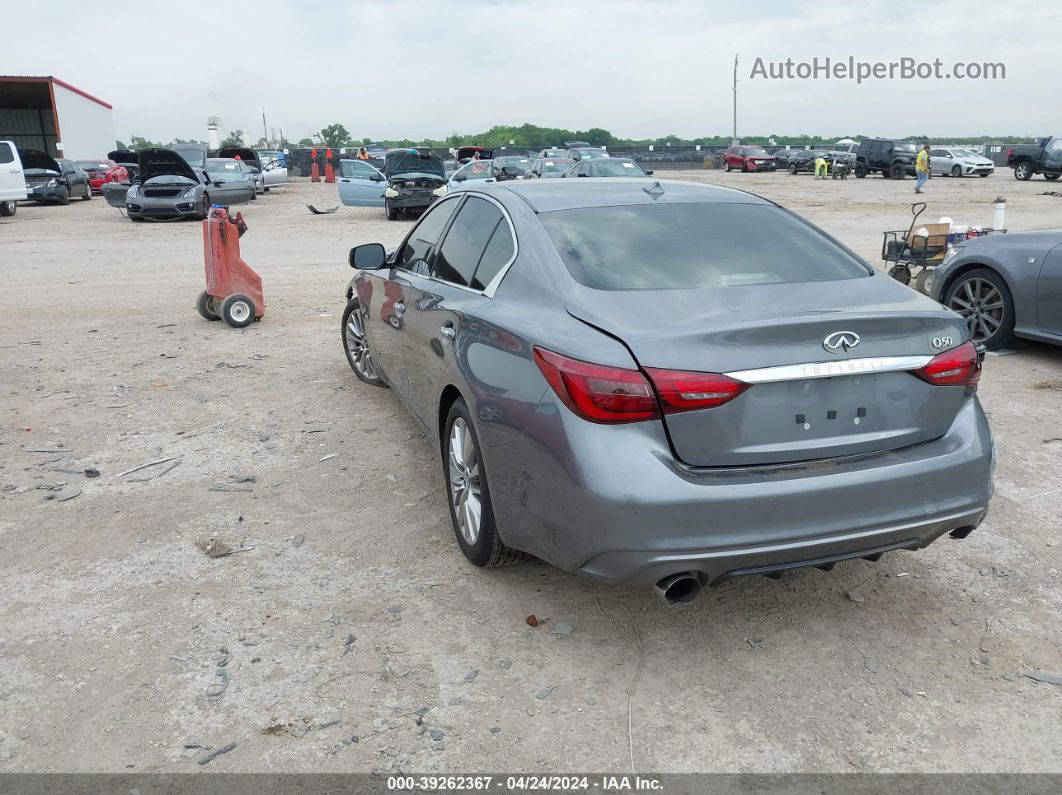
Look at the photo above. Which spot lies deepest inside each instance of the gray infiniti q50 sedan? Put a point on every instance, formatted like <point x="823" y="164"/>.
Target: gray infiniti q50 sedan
<point x="629" y="380"/>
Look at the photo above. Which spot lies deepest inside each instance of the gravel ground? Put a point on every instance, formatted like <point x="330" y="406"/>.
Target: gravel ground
<point x="346" y="633"/>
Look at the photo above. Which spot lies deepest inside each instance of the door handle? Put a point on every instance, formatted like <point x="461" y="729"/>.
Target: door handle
<point x="448" y="331"/>
<point x="400" y="308"/>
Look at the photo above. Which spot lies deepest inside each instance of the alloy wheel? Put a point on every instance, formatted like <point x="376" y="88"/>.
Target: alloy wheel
<point x="354" y="337"/>
<point x="462" y="469"/>
<point x="981" y="304"/>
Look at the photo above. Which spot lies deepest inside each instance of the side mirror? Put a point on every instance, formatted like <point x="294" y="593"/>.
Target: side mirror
<point x="460" y="177"/>
<point x="368" y="257"/>
<point x="219" y="182"/>
<point x="582" y="174"/>
<point x="377" y="177"/>
<point x="648" y="173"/>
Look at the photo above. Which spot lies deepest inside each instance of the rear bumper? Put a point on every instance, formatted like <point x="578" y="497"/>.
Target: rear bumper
<point x="609" y="502"/>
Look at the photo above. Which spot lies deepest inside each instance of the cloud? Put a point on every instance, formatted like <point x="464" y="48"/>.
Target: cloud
<point x="416" y="69"/>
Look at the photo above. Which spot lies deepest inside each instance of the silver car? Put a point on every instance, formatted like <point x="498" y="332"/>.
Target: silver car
<point x="230" y="181"/>
<point x="628" y="379"/>
<point x="165" y="186"/>
<point x="954" y="162"/>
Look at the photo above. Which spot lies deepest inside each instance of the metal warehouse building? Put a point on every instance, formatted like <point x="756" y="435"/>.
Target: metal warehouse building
<point x="48" y="114"/>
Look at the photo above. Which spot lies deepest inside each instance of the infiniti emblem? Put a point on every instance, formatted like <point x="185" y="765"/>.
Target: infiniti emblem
<point x="841" y="341"/>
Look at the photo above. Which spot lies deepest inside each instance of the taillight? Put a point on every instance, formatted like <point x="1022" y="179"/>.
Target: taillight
<point x="1010" y="152"/>
<point x="604" y="394"/>
<point x="957" y="367"/>
<point x="596" y="392"/>
<point x="682" y="391"/>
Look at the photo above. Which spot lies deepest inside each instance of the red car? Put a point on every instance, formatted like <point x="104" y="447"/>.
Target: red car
<point x="103" y="171"/>
<point x="748" y="158"/>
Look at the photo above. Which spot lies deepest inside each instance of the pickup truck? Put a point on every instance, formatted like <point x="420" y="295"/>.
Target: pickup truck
<point x="1044" y="158"/>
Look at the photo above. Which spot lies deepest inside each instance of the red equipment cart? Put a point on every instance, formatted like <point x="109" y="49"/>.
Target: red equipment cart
<point x="233" y="290"/>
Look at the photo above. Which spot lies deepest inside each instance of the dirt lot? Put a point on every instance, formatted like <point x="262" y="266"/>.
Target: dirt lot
<point x="351" y="633"/>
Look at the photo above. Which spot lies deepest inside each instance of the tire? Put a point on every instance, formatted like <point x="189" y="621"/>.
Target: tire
<point x="466" y="484"/>
<point x="66" y="198"/>
<point x="860" y="170"/>
<point x="994" y="334"/>
<point x="7" y="209"/>
<point x="1052" y="177"/>
<point x="897" y="171"/>
<point x="792" y="168"/>
<point x="982" y="175"/>
<point x="726" y="166"/>
<point x="206" y="208"/>
<point x="237" y="310"/>
<point x="1023" y="171"/>
<point x="206" y="306"/>
<point x="352" y="335"/>
<point x="900" y="273"/>
<point x="392" y="213"/>
<point x="88" y="193"/>
<point x="744" y="167"/>
<point x="956" y="171"/>
<point x="924" y="281"/>
<point x="136" y="218"/>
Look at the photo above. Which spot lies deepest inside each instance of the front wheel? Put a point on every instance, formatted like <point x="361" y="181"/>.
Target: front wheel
<point x="983" y="299"/>
<point x="391" y="212"/>
<point x="471" y="511"/>
<point x="792" y="168"/>
<point x="7" y="209"/>
<point x="956" y="171"/>
<point x="66" y="197"/>
<point x="860" y="170"/>
<point x="356" y="346"/>
<point x="897" y="171"/>
<point x="1023" y="172"/>
<point x="726" y="166"/>
<point x="88" y="193"/>
<point x="237" y="310"/>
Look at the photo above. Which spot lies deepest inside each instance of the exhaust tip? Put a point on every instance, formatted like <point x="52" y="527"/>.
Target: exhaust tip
<point x="962" y="532"/>
<point x="682" y="587"/>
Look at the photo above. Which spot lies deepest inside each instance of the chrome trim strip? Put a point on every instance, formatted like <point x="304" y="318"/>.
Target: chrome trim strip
<point x="830" y="369"/>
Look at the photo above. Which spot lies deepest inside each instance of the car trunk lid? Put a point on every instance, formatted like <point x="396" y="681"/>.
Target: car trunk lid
<point x="828" y="362"/>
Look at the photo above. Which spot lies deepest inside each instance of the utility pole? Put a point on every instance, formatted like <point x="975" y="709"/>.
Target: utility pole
<point x="265" y="130"/>
<point x="734" y="140"/>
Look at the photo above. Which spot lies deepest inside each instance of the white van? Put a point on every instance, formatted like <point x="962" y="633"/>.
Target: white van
<point x="12" y="180"/>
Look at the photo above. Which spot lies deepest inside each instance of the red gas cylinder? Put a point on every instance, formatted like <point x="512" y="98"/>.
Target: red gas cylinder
<point x="233" y="289"/>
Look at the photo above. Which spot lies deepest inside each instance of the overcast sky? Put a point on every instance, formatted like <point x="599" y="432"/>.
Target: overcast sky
<point x="640" y="69"/>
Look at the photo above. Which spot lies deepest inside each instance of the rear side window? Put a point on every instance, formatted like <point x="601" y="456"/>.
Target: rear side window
<point x="500" y="249"/>
<point x="709" y="244"/>
<point x="469" y="234"/>
<point x="416" y="252"/>
<point x="6" y="153"/>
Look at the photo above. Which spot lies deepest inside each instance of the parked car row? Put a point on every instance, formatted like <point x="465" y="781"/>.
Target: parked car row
<point x="33" y="175"/>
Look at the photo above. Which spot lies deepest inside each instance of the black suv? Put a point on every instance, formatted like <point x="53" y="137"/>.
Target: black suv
<point x="891" y="159"/>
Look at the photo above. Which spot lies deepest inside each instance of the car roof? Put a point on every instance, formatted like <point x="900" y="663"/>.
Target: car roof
<point x="549" y="194"/>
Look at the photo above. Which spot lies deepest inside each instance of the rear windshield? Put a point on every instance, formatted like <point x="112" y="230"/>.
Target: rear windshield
<point x="671" y="246"/>
<point x="617" y="168"/>
<point x="94" y="165"/>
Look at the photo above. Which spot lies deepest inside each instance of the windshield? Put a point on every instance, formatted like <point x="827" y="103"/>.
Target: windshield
<point x="587" y="154"/>
<point x="477" y="169"/>
<point x="903" y="146"/>
<point x="219" y="167"/>
<point x="556" y="166"/>
<point x="754" y="151"/>
<point x="554" y="153"/>
<point x="693" y="245"/>
<point x="520" y="162"/>
<point x="194" y="157"/>
<point x="617" y="168"/>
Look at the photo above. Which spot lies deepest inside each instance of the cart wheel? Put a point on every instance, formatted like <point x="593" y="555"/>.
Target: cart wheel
<point x="924" y="281"/>
<point x="900" y="273"/>
<point x="206" y="306"/>
<point x="237" y="310"/>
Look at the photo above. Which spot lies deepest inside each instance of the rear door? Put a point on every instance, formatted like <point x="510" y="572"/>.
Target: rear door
<point x="1053" y="156"/>
<point x="1049" y="293"/>
<point x="12" y="180"/>
<point x="360" y="185"/>
<point x="443" y="305"/>
<point x="385" y="299"/>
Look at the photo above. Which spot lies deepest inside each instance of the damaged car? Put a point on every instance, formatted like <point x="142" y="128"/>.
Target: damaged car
<point x="166" y="188"/>
<point x="49" y="180"/>
<point x="414" y="181"/>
